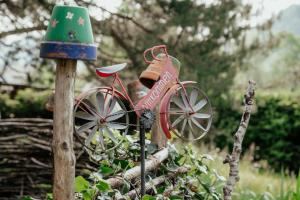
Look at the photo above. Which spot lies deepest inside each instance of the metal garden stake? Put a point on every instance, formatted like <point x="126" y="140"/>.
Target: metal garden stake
<point x="68" y="38"/>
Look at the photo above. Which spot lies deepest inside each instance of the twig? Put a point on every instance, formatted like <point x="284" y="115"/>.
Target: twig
<point x="233" y="159"/>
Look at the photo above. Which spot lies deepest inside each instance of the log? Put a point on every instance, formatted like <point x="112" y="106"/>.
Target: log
<point x="62" y="143"/>
<point x="151" y="163"/>
<point x="156" y="181"/>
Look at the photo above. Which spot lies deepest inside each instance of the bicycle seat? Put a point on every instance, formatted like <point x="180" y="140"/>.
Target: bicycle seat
<point x="110" y="70"/>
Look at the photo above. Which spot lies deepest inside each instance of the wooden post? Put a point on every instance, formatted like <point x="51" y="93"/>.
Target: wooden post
<point x="69" y="38"/>
<point x="62" y="144"/>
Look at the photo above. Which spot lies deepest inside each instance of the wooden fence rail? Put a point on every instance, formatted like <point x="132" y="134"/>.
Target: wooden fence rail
<point x="26" y="157"/>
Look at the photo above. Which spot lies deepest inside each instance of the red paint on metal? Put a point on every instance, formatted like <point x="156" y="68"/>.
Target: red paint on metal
<point x="168" y="78"/>
<point x="152" y="49"/>
<point x="164" y="121"/>
<point x="102" y="74"/>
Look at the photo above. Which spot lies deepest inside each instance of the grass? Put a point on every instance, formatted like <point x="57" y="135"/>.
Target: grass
<point x="257" y="180"/>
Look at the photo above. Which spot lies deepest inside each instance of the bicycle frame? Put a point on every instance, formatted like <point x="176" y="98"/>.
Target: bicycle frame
<point x="168" y="78"/>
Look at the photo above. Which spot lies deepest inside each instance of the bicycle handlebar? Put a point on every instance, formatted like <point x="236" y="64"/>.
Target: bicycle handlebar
<point x="152" y="49"/>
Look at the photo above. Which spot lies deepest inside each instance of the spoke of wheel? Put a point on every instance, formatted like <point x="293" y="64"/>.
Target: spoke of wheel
<point x="200" y="105"/>
<point x="193" y="97"/>
<point x="91" y="136"/>
<point x="201" y="115"/>
<point x="183" y="127"/>
<point x="100" y="103"/>
<point x="111" y="135"/>
<point x="177" y="101"/>
<point x="197" y="123"/>
<point x="87" y="105"/>
<point x="116" y="125"/>
<point x="86" y="126"/>
<point x="85" y="115"/>
<point x="191" y="126"/>
<point x="115" y="115"/>
<point x="176" y="113"/>
<point x="110" y="106"/>
<point x="101" y="139"/>
<point x="184" y="99"/>
<point x="178" y="120"/>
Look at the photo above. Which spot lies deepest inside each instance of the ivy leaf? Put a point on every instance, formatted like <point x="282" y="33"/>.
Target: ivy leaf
<point x="160" y="190"/>
<point x="88" y="194"/>
<point x="106" y="170"/>
<point x="151" y="148"/>
<point x="123" y="163"/>
<point x="103" y="186"/>
<point x="81" y="184"/>
<point x="148" y="197"/>
<point x="175" y="197"/>
<point x="27" y="198"/>
<point x="49" y="196"/>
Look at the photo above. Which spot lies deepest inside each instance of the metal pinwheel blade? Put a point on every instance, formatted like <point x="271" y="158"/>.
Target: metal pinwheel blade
<point x="100" y="121"/>
<point x="189" y="113"/>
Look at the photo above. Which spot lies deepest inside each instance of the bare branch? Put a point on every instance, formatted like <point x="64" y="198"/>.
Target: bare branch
<point x="131" y="54"/>
<point x="23" y="30"/>
<point x="145" y="29"/>
<point x="234" y="158"/>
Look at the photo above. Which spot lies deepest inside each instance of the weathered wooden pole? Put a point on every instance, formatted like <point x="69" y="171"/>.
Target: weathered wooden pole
<point x="69" y="38"/>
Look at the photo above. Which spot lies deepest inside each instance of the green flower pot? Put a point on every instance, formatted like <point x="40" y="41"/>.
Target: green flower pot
<point x="69" y="35"/>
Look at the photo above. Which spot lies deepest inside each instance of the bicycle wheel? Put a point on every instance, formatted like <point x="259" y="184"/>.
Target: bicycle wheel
<point x="101" y="120"/>
<point x="188" y="113"/>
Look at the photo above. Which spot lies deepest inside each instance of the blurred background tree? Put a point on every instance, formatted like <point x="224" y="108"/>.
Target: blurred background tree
<point x="215" y="41"/>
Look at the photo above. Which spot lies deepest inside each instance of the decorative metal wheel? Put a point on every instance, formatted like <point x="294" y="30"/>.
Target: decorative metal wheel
<point x="101" y="120"/>
<point x="189" y="113"/>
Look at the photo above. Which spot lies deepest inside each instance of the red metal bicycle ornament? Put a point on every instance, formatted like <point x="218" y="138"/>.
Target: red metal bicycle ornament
<point x="102" y="114"/>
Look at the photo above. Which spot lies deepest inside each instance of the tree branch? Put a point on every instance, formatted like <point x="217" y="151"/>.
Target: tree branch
<point x="22" y="30"/>
<point x="233" y="159"/>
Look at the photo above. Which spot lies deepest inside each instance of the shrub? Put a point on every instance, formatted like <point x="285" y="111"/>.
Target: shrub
<point x="274" y="128"/>
<point x="26" y="103"/>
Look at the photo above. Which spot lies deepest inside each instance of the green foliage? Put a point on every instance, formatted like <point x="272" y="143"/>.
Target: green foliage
<point x="296" y="193"/>
<point x="26" y="103"/>
<point x="81" y="184"/>
<point x="274" y="129"/>
<point x="199" y="182"/>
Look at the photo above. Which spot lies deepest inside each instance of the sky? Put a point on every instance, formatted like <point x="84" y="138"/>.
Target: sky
<point x="268" y="8"/>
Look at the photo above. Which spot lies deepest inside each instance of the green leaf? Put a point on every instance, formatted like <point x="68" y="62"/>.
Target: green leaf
<point x="49" y="196"/>
<point x="175" y="197"/>
<point x="27" y="198"/>
<point x="148" y="197"/>
<point x="81" y="184"/>
<point x="106" y="170"/>
<point x="86" y="196"/>
<point x="123" y="163"/>
<point x="103" y="186"/>
<point x="151" y="148"/>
